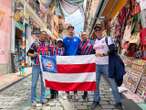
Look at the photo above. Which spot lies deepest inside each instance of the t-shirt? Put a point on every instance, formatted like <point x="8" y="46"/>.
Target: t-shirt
<point x="71" y="45"/>
<point x="39" y="48"/>
<point x="100" y="46"/>
<point x="59" y="51"/>
<point x="85" y="48"/>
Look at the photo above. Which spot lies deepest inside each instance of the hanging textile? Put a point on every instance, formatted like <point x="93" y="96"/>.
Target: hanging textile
<point x="143" y="36"/>
<point x="135" y="8"/>
<point x="75" y="2"/>
<point x="127" y="33"/>
<point x="143" y="18"/>
<point x="58" y="10"/>
<point x="69" y="8"/>
<point x="46" y="3"/>
<point x="142" y="4"/>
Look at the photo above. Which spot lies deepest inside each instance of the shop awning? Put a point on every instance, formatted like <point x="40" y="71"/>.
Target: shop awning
<point x="113" y="7"/>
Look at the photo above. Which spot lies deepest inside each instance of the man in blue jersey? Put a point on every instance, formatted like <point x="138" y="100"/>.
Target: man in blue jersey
<point x="71" y="44"/>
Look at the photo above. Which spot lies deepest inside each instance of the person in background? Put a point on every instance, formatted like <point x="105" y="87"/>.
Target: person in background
<point x="102" y="64"/>
<point x="58" y="50"/>
<point x="38" y="47"/>
<point x="60" y="47"/>
<point x="71" y="44"/>
<point x="85" y="48"/>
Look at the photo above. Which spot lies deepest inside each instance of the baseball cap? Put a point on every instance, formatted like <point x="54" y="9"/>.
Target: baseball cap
<point x="43" y="32"/>
<point x="70" y="26"/>
<point x="59" y="40"/>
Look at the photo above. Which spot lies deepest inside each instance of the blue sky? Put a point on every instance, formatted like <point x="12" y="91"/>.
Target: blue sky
<point x="77" y="20"/>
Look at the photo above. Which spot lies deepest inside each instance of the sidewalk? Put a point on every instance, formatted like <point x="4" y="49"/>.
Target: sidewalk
<point x="134" y="98"/>
<point x="7" y="80"/>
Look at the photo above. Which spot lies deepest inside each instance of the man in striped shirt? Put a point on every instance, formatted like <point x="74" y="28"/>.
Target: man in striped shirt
<point x="39" y="47"/>
<point x="85" y="48"/>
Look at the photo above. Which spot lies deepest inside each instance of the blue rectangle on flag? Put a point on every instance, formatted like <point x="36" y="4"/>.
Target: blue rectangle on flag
<point x="49" y="63"/>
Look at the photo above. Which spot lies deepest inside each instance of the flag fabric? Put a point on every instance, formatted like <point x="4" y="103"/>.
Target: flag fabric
<point x="69" y="73"/>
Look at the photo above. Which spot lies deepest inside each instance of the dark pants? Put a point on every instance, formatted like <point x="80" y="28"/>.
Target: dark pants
<point x="54" y="93"/>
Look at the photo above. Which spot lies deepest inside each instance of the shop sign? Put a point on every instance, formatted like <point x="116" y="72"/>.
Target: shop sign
<point x="131" y="81"/>
<point x="141" y="88"/>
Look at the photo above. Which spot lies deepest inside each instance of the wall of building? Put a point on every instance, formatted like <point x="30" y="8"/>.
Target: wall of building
<point x="91" y="8"/>
<point x="5" y="34"/>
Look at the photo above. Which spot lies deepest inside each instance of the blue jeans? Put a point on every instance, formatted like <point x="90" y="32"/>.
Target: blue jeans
<point x="36" y="72"/>
<point x="103" y="70"/>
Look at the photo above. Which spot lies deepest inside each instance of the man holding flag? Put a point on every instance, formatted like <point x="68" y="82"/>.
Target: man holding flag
<point x="39" y="47"/>
<point x="85" y="48"/>
<point x="71" y="44"/>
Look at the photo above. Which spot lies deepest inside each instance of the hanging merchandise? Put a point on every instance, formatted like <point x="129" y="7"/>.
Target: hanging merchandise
<point x="135" y="23"/>
<point x="69" y="8"/>
<point x="143" y="36"/>
<point x="135" y="8"/>
<point x="143" y="18"/>
<point x="122" y="16"/>
<point x="75" y="2"/>
<point x="143" y="42"/>
<point x="135" y="38"/>
<point x="133" y="44"/>
<point x="46" y="3"/>
<point x="142" y="4"/>
<point x="127" y="33"/>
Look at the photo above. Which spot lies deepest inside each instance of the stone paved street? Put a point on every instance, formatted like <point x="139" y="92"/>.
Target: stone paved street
<point x="17" y="97"/>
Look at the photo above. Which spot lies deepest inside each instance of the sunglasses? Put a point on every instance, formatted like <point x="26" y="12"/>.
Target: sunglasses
<point x="97" y="29"/>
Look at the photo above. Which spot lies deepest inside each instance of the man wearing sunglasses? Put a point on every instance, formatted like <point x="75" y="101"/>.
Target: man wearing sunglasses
<point x="102" y="64"/>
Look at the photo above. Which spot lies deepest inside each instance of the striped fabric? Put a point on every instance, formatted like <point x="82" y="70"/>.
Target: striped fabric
<point x="69" y="73"/>
<point x="40" y="48"/>
<point x="85" y="47"/>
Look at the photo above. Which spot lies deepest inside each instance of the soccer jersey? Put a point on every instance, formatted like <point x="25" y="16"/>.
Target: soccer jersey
<point x="39" y="48"/>
<point x="85" y="48"/>
<point x="100" y="46"/>
<point x="71" y="45"/>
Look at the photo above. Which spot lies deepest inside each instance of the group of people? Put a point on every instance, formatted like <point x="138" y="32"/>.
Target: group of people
<point x="73" y="45"/>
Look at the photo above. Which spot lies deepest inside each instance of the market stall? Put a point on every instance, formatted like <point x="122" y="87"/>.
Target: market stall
<point x="128" y="27"/>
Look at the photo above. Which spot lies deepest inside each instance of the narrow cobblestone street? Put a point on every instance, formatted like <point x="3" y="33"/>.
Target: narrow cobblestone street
<point x="17" y="97"/>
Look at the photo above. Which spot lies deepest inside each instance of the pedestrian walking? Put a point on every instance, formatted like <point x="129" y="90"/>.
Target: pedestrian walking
<point x="102" y="64"/>
<point x="38" y="47"/>
<point x="85" y="48"/>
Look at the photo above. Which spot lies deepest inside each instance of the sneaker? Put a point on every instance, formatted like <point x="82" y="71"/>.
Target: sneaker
<point x="84" y="96"/>
<point x="35" y="104"/>
<point x="94" y="105"/>
<point x="64" y="97"/>
<point x="44" y="102"/>
<point x="69" y="96"/>
<point x="76" y="97"/>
